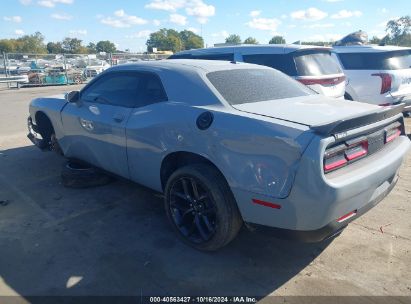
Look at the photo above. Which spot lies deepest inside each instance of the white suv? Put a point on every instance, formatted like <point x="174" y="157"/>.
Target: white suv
<point x="377" y="74"/>
<point x="311" y="65"/>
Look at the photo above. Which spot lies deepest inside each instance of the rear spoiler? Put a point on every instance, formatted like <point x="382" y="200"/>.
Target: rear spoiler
<point x="356" y="122"/>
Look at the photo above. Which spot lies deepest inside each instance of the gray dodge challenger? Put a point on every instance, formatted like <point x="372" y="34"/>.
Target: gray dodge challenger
<point x="229" y="144"/>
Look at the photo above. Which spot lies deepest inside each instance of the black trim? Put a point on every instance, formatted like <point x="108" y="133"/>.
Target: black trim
<point x="328" y="231"/>
<point x="356" y="122"/>
<point x="42" y="144"/>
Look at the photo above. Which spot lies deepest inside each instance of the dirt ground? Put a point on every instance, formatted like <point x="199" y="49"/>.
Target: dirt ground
<point x="115" y="240"/>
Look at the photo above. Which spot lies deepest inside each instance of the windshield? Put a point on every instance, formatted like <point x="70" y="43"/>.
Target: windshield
<point x="252" y="85"/>
<point x="395" y="60"/>
<point x="316" y="64"/>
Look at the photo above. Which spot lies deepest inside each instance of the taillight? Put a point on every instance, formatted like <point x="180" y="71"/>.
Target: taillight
<point x="322" y="81"/>
<point x="357" y="148"/>
<point x="386" y="80"/>
<point x="341" y="155"/>
<point x="334" y="158"/>
<point x="392" y="132"/>
<point x="354" y="149"/>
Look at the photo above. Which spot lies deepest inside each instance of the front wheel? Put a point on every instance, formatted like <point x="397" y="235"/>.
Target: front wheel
<point x="201" y="207"/>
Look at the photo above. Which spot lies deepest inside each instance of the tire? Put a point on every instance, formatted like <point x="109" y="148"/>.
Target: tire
<point x="214" y="211"/>
<point x="76" y="175"/>
<point x="54" y="144"/>
<point x="48" y="134"/>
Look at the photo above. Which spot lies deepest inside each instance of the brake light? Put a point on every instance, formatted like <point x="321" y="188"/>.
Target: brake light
<point x="392" y="133"/>
<point x="386" y="80"/>
<point x="357" y="150"/>
<point x="334" y="158"/>
<point x="322" y="81"/>
<point x="354" y="149"/>
<point x="341" y="155"/>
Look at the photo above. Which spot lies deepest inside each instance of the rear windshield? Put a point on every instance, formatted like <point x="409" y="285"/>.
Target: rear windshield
<point x="316" y="64"/>
<point x="376" y="61"/>
<point x="281" y="62"/>
<point x="252" y="85"/>
<point x="307" y="63"/>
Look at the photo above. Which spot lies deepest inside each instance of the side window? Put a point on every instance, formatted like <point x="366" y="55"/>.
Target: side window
<point x="224" y="57"/>
<point x="152" y="90"/>
<point x="281" y="62"/>
<point x="126" y="89"/>
<point x="116" y="88"/>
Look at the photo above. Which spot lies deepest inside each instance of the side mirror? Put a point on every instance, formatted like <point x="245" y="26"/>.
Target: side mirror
<point x="73" y="96"/>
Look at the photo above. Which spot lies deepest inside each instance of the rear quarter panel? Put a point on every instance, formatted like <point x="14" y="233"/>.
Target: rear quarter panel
<point x="254" y="153"/>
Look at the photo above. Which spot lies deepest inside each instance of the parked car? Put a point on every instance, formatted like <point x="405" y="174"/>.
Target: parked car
<point x="96" y="67"/>
<point x="311" y="65"/>
<point x="377" y="74"/>
<point x="229" y="143"/>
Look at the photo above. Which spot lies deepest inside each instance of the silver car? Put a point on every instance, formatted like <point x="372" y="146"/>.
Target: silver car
<point x="311" y="65"/>
<point x="230" y="143"/>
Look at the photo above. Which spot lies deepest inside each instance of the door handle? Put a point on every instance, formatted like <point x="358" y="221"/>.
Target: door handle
<point x="118" y="117"/>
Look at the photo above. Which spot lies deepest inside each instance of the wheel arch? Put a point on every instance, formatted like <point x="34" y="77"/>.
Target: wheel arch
<point x="178" y="159"/>
<point x="44" y="124"/>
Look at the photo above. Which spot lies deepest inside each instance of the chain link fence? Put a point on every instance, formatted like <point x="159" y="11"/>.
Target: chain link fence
<point x="63" y="69"/>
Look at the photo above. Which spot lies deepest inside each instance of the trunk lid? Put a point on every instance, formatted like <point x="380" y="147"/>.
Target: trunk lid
<point x="313" y="110"/>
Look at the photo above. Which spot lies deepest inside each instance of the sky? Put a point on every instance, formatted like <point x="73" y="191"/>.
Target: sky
<point x="128" y="23"/>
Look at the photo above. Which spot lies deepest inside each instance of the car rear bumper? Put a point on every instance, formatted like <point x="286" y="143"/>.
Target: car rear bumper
<point x="317" y="203"/>
<point x="330" y="230"/>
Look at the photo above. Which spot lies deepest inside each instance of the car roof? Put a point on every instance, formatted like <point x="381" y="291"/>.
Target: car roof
<point x="185" y="80"/>
<point x="369" y="48"/>
<point x="184" y="65"/>
<point x="278" y="48"/>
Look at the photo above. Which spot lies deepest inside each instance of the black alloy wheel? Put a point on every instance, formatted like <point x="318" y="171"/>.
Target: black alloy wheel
<point x="193" y="209"/>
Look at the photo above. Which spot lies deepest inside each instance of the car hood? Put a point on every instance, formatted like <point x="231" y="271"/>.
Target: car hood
<point x="313" y="110"/>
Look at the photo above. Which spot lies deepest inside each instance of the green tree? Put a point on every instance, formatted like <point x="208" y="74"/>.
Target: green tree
<point x="31" y="44"/>
<point x="317" y="43"/>
<point x="165" y="40"/>
<point x="250" y="40"/>
<point x="190" y="40"/>
<point x="375" y="40"/>
<point x="92" y="48"/>
<point x="277" y="40"/>
<point x="233" y="39"/>
<point x="71" y="45"/>
<point x="106" y="46"/>
<point x="55" y="48"/>
<point x="400" y="31"/>
<point x="7" y="45"/>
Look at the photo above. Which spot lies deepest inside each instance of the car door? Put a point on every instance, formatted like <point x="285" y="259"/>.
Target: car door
<point x="145" y="129"/>
<point x="95" y="125"/>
